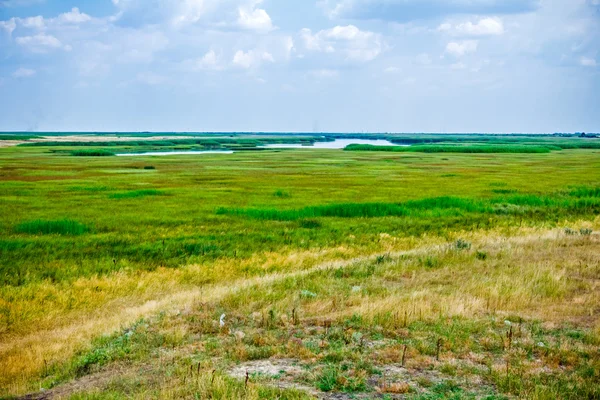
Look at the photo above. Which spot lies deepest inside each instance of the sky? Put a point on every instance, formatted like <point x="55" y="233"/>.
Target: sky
<point x="300" y="65"/>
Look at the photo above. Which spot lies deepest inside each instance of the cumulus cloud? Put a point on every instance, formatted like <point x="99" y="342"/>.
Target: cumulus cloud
<point x="355" y="44"/>
<point x="41" y="43"/>
<point x="189" y="11"/>
<point x="239" y="14"/>
<point x="36" y="22"/>
<point x="483" y="27"/>
<point x="251" y="58"/>
<point x="459" y="49"/>
<point x="252" y="18"/>
<point x="74" y="17"/>
<point x="23" y="73"/>
<point x="210" y="61"/>
<point x="408" y="10"/>
<point x="8" y="26"/>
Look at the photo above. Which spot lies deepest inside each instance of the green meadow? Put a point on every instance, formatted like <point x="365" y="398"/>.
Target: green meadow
<point x="444" y="270"/>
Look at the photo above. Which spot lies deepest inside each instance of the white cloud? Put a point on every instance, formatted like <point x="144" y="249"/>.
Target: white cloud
<point x="23" y="73"/>
<point x="483" y="27"/>
<point x="251" y="58"/>
<point x="74" y="17"/>
<point x="392" y="70"/>
<point x="252" y="18"/>
<point x="459" y="49"/>
<point x="33" y="22"/>
<point x="41" y="43"/>
<point x="210" y="61"/>
<point x="188" y="11"/>
<point x="588" y="62"/>
<point x="355" y="44"/>
<point x="9" y="26"/>
<point x="314" y="43"/>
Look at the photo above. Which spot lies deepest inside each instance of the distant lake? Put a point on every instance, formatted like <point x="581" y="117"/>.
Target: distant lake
<point x="174" y="153"/>
<point x="336" y="144"/>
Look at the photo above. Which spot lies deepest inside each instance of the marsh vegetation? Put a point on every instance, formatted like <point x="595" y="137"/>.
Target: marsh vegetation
<point x="298" y="274"/>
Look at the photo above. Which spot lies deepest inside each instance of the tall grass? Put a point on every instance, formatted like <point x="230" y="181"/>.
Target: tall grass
<point x="346" y="210"/>
<point x="58" y="227"/>
<point x="585" y="192"/>
<point x="442" y="206"/>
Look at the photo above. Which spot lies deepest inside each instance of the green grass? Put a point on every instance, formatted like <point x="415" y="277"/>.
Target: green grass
<point x="557" y="204"/>
<point x="202" y="143"/>
<point x="347" y="210"/>
<point x="195" y="222"/>
<point x="92" y="153"/>
<point x="134" y="194"/>
<point x="466" y="148"/>
<point x="58" y="227"/>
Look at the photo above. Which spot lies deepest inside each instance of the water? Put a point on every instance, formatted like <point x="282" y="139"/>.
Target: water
<point x="336" y="144"/>
<point x="174" y="153"/>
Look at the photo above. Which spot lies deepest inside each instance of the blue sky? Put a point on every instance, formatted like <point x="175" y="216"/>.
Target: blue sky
<point x="300" y="65"/>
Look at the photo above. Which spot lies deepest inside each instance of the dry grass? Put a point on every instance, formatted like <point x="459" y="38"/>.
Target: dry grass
<point x="537" y="274"/>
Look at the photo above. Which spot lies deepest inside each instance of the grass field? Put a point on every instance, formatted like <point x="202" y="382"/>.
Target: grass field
<point x="340" y="274"/>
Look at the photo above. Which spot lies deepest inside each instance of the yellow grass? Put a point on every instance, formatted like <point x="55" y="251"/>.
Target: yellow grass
<point x="543" y="274"/>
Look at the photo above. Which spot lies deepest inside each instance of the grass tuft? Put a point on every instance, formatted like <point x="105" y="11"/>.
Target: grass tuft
<point x="58" y="227"/>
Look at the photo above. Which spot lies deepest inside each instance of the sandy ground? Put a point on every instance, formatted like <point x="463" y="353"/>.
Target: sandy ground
<point x="9" y="143"/>
<point x="95" y="138"/>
